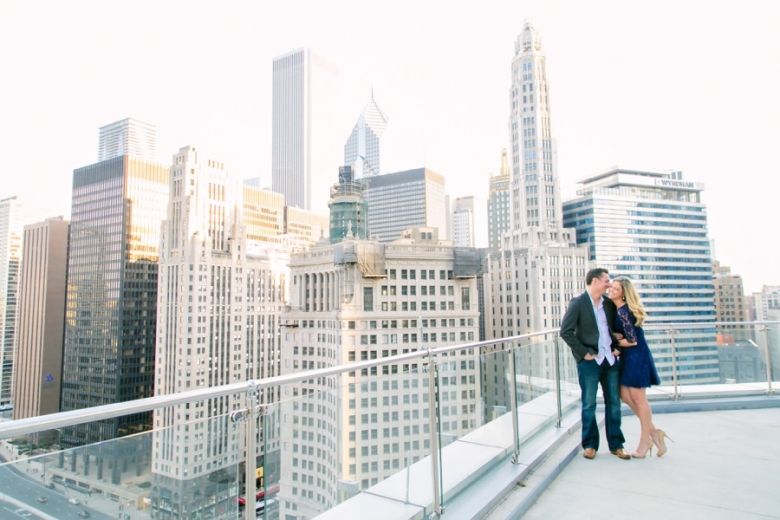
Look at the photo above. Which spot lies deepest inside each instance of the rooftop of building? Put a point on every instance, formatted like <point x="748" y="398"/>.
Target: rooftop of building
<point x="721" y="466"/>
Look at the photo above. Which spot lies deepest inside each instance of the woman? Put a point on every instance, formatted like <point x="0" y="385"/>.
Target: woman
<point x="637" y="369"/>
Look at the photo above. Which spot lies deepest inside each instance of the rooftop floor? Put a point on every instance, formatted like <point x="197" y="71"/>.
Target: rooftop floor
<point x="723" y="465"/>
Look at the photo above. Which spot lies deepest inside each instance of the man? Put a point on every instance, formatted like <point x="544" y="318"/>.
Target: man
<point x="586" y="328"/>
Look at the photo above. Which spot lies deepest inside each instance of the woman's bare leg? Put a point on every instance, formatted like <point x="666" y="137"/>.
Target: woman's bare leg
<point x="645" y="415"/>
<point x="625" y="396"/>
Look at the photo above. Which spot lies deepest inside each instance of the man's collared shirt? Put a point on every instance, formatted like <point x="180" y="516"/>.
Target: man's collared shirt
<point x="605" y="339"/>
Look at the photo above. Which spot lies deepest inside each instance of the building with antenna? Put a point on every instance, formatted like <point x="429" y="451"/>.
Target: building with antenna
<point x="362" y="149"/>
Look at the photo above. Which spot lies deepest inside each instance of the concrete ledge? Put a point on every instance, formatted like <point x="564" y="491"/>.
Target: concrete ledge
<point x="466" y="462"/>
<point x="479" y="479"/>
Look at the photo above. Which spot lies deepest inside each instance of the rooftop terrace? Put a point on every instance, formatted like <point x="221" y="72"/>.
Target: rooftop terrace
<point x="523" y="461"/>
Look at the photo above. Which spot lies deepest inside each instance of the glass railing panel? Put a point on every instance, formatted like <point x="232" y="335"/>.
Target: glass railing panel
<point x="742" y="353"/>
<point x="495" y="389"/>
<point x="472" y="390"/>
<point x="190" y="470"/>
<point x="661" y="341"/>
<point x="705" y="355"/>
<point x="535" y="377"/>
<point x="510" y="375"/>
<point x="568" y="370"/>
<point x="766" y="338"/>
<point x="772" y="358"/>
<point x="335" y="443"/>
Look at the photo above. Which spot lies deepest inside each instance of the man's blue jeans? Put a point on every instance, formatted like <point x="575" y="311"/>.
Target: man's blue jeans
<point x="590" y="375"/>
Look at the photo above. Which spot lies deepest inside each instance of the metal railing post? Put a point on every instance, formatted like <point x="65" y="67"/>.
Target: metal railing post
<point x="672" y="334"/>
<point x="433" y="423"/>
<point x="513" y="400"/>
<point x="253" y="409"/>
<point x="768" y="355"/>
<point x="557" y="361"/>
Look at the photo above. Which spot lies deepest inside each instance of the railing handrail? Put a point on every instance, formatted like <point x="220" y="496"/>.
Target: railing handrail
<point x="702" y="325"/>
<point x="110" y="411"/>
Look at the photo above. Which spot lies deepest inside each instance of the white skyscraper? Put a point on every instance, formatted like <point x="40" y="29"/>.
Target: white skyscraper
<point x="537" y="247"/>
<point x="362" y="150"/>
<point x="651" y="226"/>
<point x="220" y="298"/>
<point x="539" y="267"/>
<point x="127" y="137"/>
<point x="536" y="194"/>
<point x="14" y="215"/>
<point x="463" y="222"/>
<point x="361" y="300"/>
<point x="304" y="154"/>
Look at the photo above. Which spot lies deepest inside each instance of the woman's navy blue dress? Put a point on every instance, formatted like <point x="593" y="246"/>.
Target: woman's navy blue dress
<point x="637" y="368"/>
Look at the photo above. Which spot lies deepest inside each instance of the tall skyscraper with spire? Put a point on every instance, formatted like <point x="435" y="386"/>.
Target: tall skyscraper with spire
<point x="536" y="194"/>
<point x="362" y="150"/>
<point x="539" y="268"/>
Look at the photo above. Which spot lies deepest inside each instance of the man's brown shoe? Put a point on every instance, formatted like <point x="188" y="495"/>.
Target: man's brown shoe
<point x="590" y="453"/>
<point x="620" y="453"/>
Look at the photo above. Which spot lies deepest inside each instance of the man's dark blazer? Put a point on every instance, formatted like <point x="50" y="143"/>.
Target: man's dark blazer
<point x="579" y="328"/>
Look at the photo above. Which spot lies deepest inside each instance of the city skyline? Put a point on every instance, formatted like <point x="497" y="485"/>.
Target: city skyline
<point x="659" y="99"/>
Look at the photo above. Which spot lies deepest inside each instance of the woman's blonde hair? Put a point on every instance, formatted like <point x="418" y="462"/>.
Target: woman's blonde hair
<point x="632" y="299"/>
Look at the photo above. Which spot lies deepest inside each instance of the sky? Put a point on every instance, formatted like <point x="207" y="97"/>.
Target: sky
<point x="673" y="85"/>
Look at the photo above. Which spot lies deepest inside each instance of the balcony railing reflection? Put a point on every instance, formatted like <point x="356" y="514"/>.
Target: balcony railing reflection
<point x="402" y="433"/>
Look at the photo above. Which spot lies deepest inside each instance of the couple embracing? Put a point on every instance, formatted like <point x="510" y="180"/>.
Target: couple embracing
<point x="603" y="328"/>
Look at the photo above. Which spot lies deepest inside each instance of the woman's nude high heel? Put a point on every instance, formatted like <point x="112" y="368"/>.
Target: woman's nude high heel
<point x="660" y="441"/>
<point x="642" y="454"/>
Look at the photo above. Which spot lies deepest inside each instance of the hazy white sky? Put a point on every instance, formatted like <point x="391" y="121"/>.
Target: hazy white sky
<point x="677" y="84"/>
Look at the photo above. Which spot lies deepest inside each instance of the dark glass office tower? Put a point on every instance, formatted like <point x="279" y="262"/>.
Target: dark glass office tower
<point x="118" y="205"/>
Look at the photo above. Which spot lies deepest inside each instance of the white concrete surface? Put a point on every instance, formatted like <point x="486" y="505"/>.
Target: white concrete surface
<point x="724" y="465"/>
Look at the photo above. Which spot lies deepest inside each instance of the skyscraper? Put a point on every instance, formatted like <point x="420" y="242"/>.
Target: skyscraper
<point x="127" y="137"/>
<point x="729" y="299"/>
<point x="360" y="300"/>
<point x="539" y="265"/>
<point x="229" y="292"/>
<point x="536" y="196"/>
<point x="498" y="204"/>
<point x="764" y="301"/>
<point x="463" y="222"/>
<point x="14" y="215"/>
<point x="362" y="150"/>
<point x="117" y="207"/>
<point x="38" y="363"/>
<point x="403" y="200"/>
<point x="651" y="226"/>
<point x="539" y="268"/>
<point x="304" y="115"/>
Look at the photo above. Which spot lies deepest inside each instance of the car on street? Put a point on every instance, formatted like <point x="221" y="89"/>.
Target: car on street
<point x="74" y="501"/>
<point x="42" y="499"/>
<point x="83" y="514"/>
